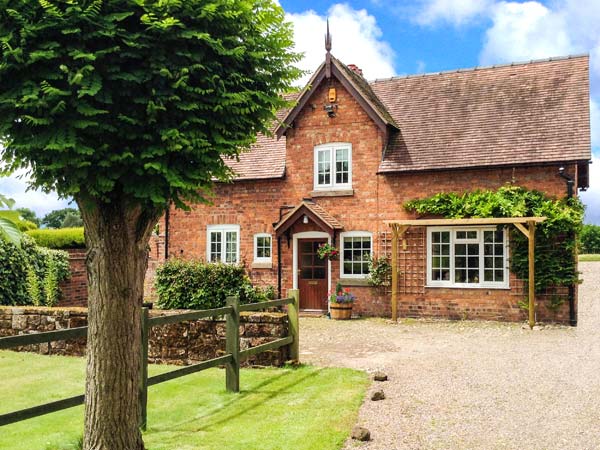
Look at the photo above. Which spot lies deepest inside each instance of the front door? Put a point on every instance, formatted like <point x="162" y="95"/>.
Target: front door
<point x="312" y="275"/>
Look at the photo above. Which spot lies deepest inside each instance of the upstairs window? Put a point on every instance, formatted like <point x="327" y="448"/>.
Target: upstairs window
<point x="223" y="243"/>
<point x="333" y="166"/>
<point x="470" y="257"/>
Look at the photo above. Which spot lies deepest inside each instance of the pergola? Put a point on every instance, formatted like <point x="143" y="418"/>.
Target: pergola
<point x="525" y="225"/>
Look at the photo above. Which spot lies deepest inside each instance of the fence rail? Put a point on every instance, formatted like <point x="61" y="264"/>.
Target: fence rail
<point x="231" y="360"/>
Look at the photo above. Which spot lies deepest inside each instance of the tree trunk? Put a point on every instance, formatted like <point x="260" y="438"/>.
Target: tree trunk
<point x="117" y="240"/>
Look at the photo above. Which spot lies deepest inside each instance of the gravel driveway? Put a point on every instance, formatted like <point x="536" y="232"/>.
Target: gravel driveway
<point x="473" y="385"/>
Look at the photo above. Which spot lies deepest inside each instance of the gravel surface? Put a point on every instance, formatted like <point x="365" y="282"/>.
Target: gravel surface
<point x="473" y="385"/>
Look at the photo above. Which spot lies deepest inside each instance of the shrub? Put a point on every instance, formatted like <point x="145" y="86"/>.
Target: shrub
<point x="195" y="284"/>
<point x="590" y="239"/>
<point x="30" y="275"/>
<point x="59" y="238"/>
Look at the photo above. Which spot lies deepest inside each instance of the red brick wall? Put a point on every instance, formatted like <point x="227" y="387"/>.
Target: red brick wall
<point x="254" y="205"/>
<point x="74" y="289"/>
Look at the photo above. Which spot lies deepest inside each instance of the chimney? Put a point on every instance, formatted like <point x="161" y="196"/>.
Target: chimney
<point x="354" y="68"/>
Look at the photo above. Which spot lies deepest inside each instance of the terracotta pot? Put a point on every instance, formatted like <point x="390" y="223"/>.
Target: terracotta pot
<point x="340" y="311"/>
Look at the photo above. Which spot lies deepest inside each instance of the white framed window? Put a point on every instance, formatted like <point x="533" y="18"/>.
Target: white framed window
<point x="262" y="248"/>
<point x="467" y="257"/>
<point x="223" y="243"/>
<point x="333" y="166"/>
<point x="356" y="249"/>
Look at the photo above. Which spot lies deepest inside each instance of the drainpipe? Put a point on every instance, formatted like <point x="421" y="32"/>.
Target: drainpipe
<point x="167" y="214"/>
<point x="570" y="184"/>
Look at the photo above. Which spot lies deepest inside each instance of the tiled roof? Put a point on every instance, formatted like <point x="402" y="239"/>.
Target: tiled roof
<point x="265" y="159"/>
<point x="316" y="213"/>
<point x="528" y="113"/>
<point x="525" y="113"/>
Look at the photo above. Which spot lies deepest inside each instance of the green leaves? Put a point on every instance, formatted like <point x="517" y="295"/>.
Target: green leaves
<point x="142" y="99"/>
<point x="556" y="237"/>
<point x="9" y="231"/>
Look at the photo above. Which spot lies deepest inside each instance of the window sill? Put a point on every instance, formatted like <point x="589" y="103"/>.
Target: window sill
<point x="332" y="193"/>
<point x="454" y="286"/>
<point x="261" y="265"/>
<point x="354" y="282"/>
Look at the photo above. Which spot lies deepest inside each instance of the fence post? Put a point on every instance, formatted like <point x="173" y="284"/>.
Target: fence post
<point x="143" y="395"/>
<point x="232" y="346"/>
<point x="293" y="310"/>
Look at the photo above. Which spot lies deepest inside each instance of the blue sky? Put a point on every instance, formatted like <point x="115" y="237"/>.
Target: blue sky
<point x="394" y="37"/>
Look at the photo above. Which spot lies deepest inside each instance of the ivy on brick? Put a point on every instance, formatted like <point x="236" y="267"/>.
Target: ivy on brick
<point x="556" y="238"/>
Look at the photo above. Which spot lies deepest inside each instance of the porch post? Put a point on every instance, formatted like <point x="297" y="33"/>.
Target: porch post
<point x="394" y="272"/>
<point x="531" y="256"/>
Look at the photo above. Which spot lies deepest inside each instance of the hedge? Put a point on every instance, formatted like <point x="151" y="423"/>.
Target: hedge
<point x="61" y="238"/>
<point x="590" y="239"/>
<point x="30" y="274"/>
<point x="195" y="284"/>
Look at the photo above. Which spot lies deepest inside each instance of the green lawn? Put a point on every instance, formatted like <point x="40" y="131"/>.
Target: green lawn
<point x="302" y="408"/>
<point x="590" y="257"/>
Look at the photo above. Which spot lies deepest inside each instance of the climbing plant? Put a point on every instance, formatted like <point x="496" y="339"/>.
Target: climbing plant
<point x="556" y="237"/>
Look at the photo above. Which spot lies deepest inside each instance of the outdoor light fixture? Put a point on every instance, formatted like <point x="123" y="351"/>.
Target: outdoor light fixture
<point x="305" y="219"/>
<point x="330" y="109"/>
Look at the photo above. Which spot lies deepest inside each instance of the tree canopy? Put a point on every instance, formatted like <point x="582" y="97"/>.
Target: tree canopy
<point x="56" y="218"/>
<point x="112" y="98"/>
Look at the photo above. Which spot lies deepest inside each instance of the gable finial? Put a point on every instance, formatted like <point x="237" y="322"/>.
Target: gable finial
<point x="328" y="54"/>
<point x="328" y="38"/>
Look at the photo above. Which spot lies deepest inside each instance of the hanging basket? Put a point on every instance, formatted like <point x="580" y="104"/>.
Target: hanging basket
<point x="340" y="311"/>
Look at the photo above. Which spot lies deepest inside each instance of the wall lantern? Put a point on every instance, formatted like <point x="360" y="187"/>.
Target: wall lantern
<point x="305" y="219"/>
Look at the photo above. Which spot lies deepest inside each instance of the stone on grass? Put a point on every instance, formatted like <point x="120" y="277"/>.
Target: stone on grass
<point x="361" y="434"/>
<point x="378" y="395"/>
<point x="380" y="376"/>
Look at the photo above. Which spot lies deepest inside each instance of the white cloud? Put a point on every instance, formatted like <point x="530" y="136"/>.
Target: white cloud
<point x="15" y="187"/>
<point x="523" y="31"/>
<point x="356" y="40"/>
<point x="455" y="12"/>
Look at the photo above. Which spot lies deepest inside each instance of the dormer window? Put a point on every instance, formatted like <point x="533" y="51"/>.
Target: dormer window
<point x="333" y="166"/>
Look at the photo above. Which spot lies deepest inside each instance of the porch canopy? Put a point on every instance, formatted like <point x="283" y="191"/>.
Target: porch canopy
<point x="309" y="209"/>
<point x="525" y="225"/>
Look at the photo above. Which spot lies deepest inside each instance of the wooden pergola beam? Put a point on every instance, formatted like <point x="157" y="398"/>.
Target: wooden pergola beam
<point x="399" y="227"/>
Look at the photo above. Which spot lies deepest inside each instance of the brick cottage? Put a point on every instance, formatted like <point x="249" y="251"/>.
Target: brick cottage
<point x="350" y="153"/>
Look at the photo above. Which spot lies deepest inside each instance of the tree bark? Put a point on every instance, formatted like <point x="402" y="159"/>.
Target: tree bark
<point x="117" y="239"/>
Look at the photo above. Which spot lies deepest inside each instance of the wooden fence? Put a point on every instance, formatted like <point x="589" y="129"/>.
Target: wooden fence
<point x="231" y="359"/>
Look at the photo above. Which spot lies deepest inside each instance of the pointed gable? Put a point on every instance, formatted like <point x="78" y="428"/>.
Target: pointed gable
<point x="355" y="84"/>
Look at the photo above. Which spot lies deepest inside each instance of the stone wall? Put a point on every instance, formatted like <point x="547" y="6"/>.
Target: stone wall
<point x="181" y="343"/>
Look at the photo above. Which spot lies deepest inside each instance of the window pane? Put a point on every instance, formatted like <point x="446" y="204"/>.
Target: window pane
<point x="215" y="246"/>
<point x="263" y="247"/>
<point x="324" y="167"/>
<point x="231" y="247"/>
<point x="341" y="166"/>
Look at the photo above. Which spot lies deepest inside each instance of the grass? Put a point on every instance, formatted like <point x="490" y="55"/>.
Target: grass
<point x="305" y="408"/>
<point x="590" y="257"/>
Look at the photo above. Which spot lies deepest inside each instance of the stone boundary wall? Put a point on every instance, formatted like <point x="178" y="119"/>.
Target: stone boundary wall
<point x="182" y="343"/>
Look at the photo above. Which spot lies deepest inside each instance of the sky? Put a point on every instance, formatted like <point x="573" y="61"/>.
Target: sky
<point x="394" y="37"/>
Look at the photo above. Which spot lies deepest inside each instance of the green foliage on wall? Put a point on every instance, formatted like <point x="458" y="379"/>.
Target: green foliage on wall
<point x="61" y="238"/>
<point x="556" y="237"/>
<point x="195" y="284"/>
<point x="30" y="275"/>
<point x="590" y="239"/>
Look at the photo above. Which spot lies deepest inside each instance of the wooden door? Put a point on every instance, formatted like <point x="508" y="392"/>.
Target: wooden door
<point x="312" y="275"/>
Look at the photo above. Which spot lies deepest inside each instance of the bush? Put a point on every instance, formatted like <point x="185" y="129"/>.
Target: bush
<point x="61" y="238"/>
<point x="194" y="284"/>
<point x="590" y="239"/>
<point x="29" y="274"/>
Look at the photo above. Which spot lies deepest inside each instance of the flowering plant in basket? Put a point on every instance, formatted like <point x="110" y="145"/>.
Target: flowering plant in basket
<point x="341" y="295"/>
<point x="326" y="251"/>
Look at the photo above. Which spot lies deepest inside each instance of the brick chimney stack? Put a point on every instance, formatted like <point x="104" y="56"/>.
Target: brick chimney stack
<point x="356" y="69"/>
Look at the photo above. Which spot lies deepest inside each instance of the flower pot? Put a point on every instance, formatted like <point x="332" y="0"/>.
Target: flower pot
<point x="340" y="311"/>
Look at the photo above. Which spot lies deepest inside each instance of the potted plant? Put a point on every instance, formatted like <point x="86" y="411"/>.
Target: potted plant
<point x="340" y="303"/>
<point x="327" y="251"/>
